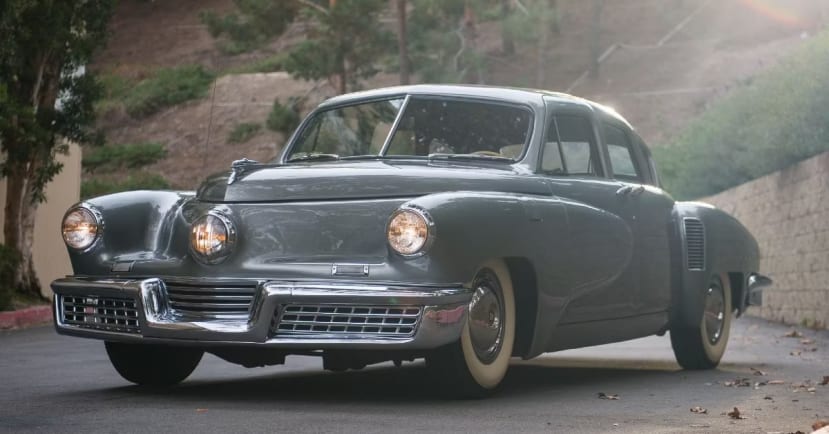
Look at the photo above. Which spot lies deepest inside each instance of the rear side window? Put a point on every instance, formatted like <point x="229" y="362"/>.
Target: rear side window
<point x="569" y="148"/>
<point x="622" y="160"/>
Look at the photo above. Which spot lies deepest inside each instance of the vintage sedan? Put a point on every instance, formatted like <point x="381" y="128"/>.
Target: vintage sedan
<point x="461" y="224"/>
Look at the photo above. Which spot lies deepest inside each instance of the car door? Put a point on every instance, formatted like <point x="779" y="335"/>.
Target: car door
<point x="600" y="270"/>
<point x="650" y="210"/>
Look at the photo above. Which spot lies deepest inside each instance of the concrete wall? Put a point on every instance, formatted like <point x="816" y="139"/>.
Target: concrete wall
<point x="788" y="213"/>
<point x="50" y="256"/>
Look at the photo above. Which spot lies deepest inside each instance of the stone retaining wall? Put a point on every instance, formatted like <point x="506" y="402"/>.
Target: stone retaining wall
<point x="788" y="213"/>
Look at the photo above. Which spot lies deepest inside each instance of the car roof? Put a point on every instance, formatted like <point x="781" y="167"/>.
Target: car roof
<point x="511" y="94"/>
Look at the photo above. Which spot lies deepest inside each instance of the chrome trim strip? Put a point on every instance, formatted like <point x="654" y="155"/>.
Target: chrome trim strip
<point x="394" y="125"/>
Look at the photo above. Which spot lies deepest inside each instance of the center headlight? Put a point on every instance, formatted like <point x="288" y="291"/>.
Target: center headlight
<point x="410" y="231"/>
<point x="212" y="238"/>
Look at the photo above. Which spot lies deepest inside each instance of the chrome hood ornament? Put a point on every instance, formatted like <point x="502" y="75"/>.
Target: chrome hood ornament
<point x="238" y="167"/>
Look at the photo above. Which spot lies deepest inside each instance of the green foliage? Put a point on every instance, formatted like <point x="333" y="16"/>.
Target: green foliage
<point x="343" y="44"/>
<point x="114" y="90"/>
<point x="774" y="121"/>
<point x="110" y="158"/>
<point x="167" y="87"/>
<point x="282" y="118"/>
<point x="344" y="41"/>
<point x="268" y="64"/>
<point x="138" y="180"/>
<point x="441" y="45"/>
<point x="243" y="132"/>
<point x="256" y="22"/>
<point x="37" y="66"/>
<point x="9" y="261"/>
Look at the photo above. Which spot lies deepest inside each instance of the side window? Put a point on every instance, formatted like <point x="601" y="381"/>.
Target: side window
<point x="622" y="161"/>
<point x="569" y="146"/>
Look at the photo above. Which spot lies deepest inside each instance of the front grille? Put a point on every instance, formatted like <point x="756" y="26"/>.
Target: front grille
<point x="115" y="314"/>
<point x="694" y="244"/>
<point x="211" y="302"/>
<point x="364" y="321"/>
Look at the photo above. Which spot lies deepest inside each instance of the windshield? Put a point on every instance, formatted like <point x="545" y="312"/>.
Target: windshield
<point x="427" y="127"/>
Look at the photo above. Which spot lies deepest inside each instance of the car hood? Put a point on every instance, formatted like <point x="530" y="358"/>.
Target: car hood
<point x="362" y="180"/>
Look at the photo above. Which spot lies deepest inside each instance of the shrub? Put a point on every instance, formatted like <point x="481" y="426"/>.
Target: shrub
<point x="243" y="132"/>
<point x="168" y="87"/>
<point x="9" y="261"/>
<point x="282" y="118"/>
<point x="135" y="181"/>
<point x="773" y="121"/>
<point x="108" y="158"/>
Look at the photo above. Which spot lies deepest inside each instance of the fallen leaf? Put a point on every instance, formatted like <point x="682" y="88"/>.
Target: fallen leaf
<point x="793" y="334"/>
<point x="758" y="372"/>
<point x="773" y="382"/>
<point x="806" y="342"/>
<point x="825" y="380"/>
<point x="810" y="349"/>
<point x="735" y="414"/>
<point x="611" y="397"/>
<point x="794" y="353"/>
<point x="739" y="382"/>
<point x="201" y="410"/>
<point x="699" y="410"/>
<point x="820" y="424"/>
<point x="768" y="398"/>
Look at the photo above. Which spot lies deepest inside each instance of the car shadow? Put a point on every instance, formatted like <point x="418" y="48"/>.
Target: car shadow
<point x="553" y="378"/>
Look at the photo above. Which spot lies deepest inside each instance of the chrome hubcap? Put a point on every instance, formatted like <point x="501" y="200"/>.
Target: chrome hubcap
<point x="486" y="326"/>
<point x="714" y="313"/>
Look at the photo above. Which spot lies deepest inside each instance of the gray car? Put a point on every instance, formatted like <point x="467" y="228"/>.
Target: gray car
<point x="461" y="224"/>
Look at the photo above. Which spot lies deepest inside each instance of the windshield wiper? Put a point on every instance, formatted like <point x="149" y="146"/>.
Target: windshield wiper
<point x="314" y="157"/>
<point x="469" y="157"/>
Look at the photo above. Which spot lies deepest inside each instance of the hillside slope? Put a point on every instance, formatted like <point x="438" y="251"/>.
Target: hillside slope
<point x="671" y="59"/>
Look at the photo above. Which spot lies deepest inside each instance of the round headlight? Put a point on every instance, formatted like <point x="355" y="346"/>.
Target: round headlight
<point x="409" y="231"/>
<point x="212" y="238"/>
<point x="81" y="228"/>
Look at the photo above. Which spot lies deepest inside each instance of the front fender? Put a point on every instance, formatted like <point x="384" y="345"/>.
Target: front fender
<point x="138" y="226"/>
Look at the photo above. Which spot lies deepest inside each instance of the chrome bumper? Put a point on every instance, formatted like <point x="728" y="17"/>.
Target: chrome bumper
<point x="441" y="314"/>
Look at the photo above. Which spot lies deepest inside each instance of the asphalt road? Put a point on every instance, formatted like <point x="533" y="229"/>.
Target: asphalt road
<point x="51" y="383"/>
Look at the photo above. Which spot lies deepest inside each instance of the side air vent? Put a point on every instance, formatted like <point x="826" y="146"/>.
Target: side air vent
<point x="694" y="244"/>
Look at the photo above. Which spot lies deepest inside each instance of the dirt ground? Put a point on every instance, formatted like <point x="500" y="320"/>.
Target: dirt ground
<point x="672" y="59"/>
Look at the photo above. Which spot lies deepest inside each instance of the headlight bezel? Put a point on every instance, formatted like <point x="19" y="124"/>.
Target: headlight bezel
<point x="98" y="219"/>
<point x="426" y="218"/>
<point x="230" y="241"/>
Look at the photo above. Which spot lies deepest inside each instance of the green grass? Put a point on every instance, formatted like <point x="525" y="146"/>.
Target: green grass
<point x="268" y="64"/>
<point x="167" y="87"/>
<point x="110" y="158"/>
<point x="134" y="181"/>
<point x="115" y="90"/>
<point x="243" y="132"/>
<point x="775" y="120"/>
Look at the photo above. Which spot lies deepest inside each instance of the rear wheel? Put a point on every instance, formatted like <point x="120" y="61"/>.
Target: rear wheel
<point x="702" y="346"/>
<point x="475" y="365"/>
<point x="153" y="365"/>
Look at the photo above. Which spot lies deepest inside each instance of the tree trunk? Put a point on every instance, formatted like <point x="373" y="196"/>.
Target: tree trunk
<point x="595" y="38"/>
<point x="507" y="43"/>
<point x="555" y="22"/>
<point x="18" y="228"/>
<point x="541" y="56"/>
<point x="403" y="42"/>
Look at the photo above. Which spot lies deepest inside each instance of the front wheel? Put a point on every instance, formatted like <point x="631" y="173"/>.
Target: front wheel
<point x="702" y="346"/>
<point x="153" y="365"/>
<point x="475" y="365"/>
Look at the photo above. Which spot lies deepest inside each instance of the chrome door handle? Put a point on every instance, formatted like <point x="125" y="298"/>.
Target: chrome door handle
<point x="624" y="190"/>
<point x="637" y="191"/>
